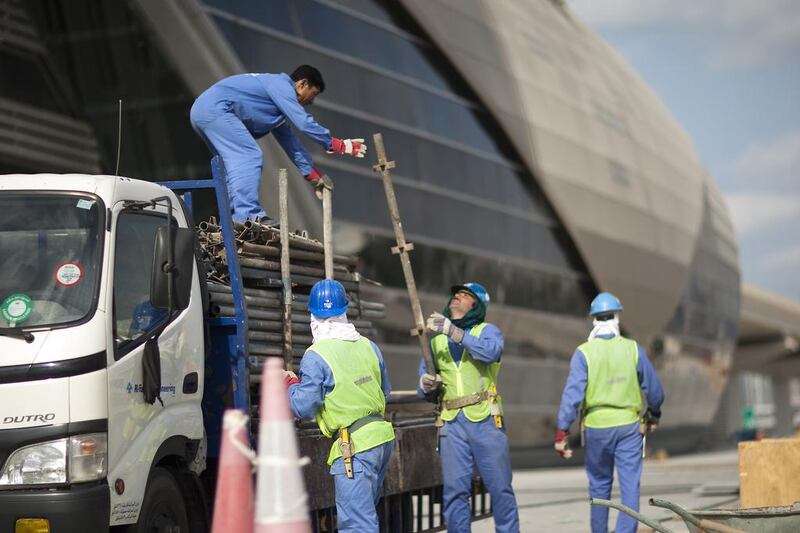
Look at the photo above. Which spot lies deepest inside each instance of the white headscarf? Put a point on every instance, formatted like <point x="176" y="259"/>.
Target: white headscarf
<point x="605" y="328"/>
<point x="335" y="327"/>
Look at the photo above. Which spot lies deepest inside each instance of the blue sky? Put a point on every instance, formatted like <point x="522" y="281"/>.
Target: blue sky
<point x="729" y="70"/>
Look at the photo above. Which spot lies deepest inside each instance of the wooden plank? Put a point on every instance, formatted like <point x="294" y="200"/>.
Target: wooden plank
<point x="769" y="472"/>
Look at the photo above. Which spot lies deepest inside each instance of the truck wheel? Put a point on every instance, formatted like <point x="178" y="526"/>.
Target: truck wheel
<point x="163" y="509"/>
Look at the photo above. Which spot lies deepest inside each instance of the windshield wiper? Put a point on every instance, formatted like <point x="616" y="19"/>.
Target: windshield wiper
<point x="16" y="333"/>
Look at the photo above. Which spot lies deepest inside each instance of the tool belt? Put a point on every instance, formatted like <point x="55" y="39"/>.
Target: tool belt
<point x="466" y="401"/>
<point x="346" y="445"/>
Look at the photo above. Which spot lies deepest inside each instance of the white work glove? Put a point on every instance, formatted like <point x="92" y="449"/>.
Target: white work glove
<point x="354" y="147"/>
<point x="429" y="383"/>
<point x="438" y="323"/>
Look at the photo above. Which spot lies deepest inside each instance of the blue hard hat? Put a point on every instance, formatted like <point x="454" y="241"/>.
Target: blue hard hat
<point x="475" y="289"/>
<point x="603" y="303"/>
<point x="328" y="298"/>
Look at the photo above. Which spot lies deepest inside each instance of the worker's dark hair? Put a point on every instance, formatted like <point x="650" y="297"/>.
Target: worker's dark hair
<point x="310" y="74"/>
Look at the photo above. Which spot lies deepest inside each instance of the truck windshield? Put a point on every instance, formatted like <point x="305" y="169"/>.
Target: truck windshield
<point x="51" y="247"/>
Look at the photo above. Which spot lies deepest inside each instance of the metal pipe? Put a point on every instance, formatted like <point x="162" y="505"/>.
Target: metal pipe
<point x="286" y="276"/>
<point x="264" y="264"/>
<point x="371" y="306"/>
<point x="266" y="349"/>
<point x="251" y="301"/>
<point x="298" y="341"/>
<point x="327" y="228"/>
<point x="252" y="312"/>
<point x="301" y="264"/>
<point x="700" y="523"/>
<point x="273" y="278"/>
<point x="208" y="227"/>
<point x="268" y="303"/>
<point x="265" y="336"/>
<point x="302" y="255"/>
<point x="652" y="524"/>
<point x="402" y="250"/>
<point x="295" y="241"/>
<point x="277" y="325"/>
<point x="266" y="293"/>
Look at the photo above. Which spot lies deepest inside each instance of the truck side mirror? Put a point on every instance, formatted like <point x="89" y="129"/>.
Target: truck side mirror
<point x="181" y="271"/>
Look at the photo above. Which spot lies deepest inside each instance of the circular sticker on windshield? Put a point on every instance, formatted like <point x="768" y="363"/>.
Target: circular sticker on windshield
<point x="69" y="274"/>
<point x="16" y="308"/>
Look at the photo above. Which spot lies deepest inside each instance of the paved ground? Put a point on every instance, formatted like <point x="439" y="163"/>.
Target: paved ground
<point x="557" y="499"/>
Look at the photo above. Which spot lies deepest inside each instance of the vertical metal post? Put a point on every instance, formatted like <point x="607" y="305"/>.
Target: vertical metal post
<point x="188" y="202"/>
<point x="241" y="387"/>
<point x="286" y="276"/>
<point x="402" y="250"/>
<point x="327" y="228"/>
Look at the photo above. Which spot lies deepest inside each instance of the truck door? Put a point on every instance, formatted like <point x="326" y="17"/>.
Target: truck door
<point x="137" y="429"/>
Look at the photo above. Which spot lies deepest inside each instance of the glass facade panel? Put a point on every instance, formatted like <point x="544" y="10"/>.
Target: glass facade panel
<point x="274" y="13"/>
<point x="442" y="165"/>
<point x="435" y="269"/>
<point x="338" y="30"/>
<point x="33" y="85"/>
<point x="709" y="309"/>
<point x="362" y="89"/>
<point x="101" y="52"/>
<point x="450" y="220"/>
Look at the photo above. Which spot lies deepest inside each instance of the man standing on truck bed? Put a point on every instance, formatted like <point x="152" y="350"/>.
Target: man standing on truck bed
<point x="231" y="114"/>
<point x="467" y="355"/>
<point x="344" y="384"/>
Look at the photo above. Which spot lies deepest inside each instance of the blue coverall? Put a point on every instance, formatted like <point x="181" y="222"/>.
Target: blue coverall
<point x="235" y="111"/>
<point x="463" y="443"/>
<point x="353" y="496"/>
<point x="621" y="445"/>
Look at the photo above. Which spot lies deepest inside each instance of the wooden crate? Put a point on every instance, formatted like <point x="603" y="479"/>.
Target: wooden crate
<point x="769" y="472"/>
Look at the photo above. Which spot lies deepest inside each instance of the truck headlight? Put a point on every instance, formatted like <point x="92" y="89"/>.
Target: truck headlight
<point x="36" y="464"/>
<point x="72" y="459"/>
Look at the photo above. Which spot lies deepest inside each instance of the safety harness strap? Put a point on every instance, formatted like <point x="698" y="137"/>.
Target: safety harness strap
<point x="346" y="445"/>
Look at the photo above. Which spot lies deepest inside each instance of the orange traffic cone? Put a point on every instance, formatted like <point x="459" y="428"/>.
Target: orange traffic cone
<point x="233" y="503"/>
<point x="281" y="498"/>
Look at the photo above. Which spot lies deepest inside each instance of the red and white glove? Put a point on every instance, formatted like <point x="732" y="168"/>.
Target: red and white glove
<point x="319" y="181"/>
<point x="354" y="147"/>
<point x="290" y="378"/>
<point x="315" y="178"/>
<point x="562" y="445"/>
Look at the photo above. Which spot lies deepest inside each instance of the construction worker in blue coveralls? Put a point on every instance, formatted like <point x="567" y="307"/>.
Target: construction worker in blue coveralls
<point x="231" y="114"/>
<point x="467" y="354"/>
<point x="344" y="384"/>
<point x="606" y="374"/>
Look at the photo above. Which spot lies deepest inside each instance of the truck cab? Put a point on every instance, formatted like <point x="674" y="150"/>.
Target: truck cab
<point x="101" y="372"/>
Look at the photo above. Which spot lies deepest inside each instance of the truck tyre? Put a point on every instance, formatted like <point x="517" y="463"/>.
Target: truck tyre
<point x="163" y="509"/>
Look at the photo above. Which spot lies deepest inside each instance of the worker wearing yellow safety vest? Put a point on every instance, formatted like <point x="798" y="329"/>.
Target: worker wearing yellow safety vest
<point x="344" y="384"/>
<point x="607" y="376"/>
<point x="467" y="354"/>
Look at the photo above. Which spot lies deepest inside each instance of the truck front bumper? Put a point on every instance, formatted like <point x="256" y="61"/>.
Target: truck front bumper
<point x="78" y="509"/>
